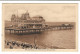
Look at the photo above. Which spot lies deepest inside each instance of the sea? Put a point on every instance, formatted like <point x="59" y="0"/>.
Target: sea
<point x="59" y="39"/>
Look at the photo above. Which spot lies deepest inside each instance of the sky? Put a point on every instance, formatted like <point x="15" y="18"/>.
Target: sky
<point x="50" y="12"/>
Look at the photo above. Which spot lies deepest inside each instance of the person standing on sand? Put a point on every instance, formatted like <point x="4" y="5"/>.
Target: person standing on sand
<point x="11" y="47"/>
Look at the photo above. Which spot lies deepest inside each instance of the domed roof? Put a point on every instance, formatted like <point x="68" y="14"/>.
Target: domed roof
<point x="13" y="15"/>
<point x="37" y="16"/>
<point x="27" y="13"/>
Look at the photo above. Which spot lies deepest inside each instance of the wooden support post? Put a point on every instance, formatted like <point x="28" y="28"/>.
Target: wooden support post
<point x="39" y="30"/>
<point x="25" y="31"/>
<point x="18" y="31"/>
<point x="70" y="27"/>
<point x="59" y="27"/>
<point x="14" y="31"/>
<point x="66" y="27"/>
<point x="10" y="31"/>
<point x="62" y="27"/>
<point x="22" y="31"/>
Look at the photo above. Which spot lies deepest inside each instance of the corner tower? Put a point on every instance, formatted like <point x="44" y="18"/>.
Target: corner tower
<point x="27" y="15"/>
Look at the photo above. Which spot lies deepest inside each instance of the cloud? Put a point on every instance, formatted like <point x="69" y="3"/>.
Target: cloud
<point x="50" y="12"/>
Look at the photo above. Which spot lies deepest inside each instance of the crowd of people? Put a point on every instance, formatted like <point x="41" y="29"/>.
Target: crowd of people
<point x="17" y="45"/>
<point x="22" y="45"/>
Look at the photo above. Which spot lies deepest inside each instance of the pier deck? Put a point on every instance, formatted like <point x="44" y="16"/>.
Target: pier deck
<point x="36" y="30"/>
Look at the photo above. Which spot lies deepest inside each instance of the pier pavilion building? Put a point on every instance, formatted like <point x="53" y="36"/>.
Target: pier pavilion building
<point x="27" y="22"/>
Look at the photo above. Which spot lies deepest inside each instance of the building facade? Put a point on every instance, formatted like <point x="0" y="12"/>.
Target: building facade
<point x="27" y="22"/>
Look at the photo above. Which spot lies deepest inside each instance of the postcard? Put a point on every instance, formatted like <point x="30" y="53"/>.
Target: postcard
<point x="40" y="26"/>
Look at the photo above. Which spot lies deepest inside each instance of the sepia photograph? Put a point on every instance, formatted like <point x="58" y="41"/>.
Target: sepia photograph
<point x="39" y="26"/>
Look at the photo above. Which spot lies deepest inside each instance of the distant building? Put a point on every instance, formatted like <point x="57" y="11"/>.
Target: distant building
<point x="25" y="21"/>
